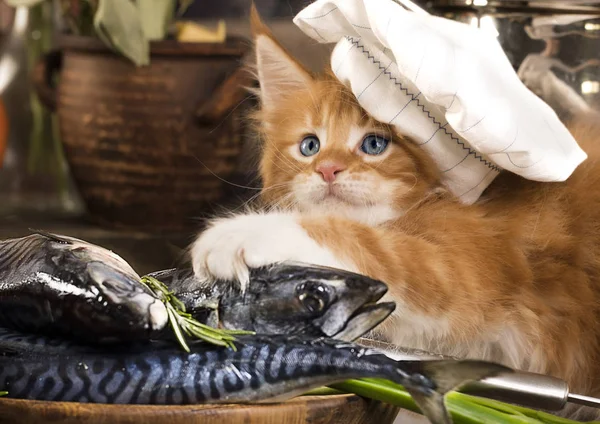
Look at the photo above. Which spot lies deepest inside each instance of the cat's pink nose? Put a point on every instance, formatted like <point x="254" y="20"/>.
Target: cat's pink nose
<point x="329" y="170"/>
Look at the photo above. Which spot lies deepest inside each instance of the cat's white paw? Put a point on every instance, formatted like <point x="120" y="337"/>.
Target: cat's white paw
<point x="230" y="246"/>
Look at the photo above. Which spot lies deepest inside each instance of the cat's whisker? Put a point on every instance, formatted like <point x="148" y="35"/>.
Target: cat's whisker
<point x="295" y="166"/>
<point x="277" y="205"/>
<point x="420" y="201"/>
<point x="415" y="183"/>
<point x="241" y="102"/>
<point x="285" y="158"/>
<point x="247" y="203"/>
<point x="281" y="168"/>
<point x="264" y="190"/>
<point x="275" y="186"/>
<point x="223" y="179"/>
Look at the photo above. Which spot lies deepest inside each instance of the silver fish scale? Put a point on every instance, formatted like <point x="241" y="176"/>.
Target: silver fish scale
<point x="263" y="368"/>
<point x="260" y="369"/>
<point x="153" y="372"/>
<point x="53" y="286"/>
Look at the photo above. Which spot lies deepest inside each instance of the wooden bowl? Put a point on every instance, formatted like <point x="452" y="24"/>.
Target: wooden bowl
<point x="332" y="409"/>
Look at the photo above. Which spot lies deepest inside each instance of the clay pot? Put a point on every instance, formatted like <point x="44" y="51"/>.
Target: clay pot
<point x="144" y="144"/>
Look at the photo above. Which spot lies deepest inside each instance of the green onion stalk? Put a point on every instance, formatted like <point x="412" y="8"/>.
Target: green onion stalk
<point x="464" y="409"/>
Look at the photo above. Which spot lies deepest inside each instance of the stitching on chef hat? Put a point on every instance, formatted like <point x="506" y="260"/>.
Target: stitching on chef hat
<point x="378" y="63"/>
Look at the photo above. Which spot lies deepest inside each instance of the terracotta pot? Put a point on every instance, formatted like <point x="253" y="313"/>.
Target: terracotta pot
<point x="144" y="144"/>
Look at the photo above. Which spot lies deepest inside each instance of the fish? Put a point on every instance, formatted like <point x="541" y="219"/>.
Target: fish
<point x="58" y="285"/>
<point x="262" y="369"/>
<point x="285" y="298"/>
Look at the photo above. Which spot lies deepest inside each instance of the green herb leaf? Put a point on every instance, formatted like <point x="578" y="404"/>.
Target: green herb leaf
<point x="176" y="328"/>
<point x="117" y="24"/>
<point x="3" y="393"/>
<point x="183" y="324"/>
<point x="177" y="304"/>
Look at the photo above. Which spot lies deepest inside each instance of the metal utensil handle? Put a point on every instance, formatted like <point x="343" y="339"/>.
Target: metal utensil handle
<point x="583" y="400"/>
<point x="522" y="388"/>
<point x="526" y="389"/>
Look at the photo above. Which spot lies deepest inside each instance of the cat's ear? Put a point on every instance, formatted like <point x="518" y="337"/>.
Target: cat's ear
<point x="277" y="71"/>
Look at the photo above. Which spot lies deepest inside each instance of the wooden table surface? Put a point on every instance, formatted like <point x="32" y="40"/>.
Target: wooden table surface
<point x="332" y="409"/>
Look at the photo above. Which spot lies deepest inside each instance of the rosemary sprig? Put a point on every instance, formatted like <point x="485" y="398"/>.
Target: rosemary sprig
<point x="183" y="324"/>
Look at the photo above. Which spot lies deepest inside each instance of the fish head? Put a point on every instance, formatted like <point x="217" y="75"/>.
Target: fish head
<point x="122" y="296"/>
<point x="116" y="302"/>
<point x="294" y="298"/>
<point x="88" y="252"/>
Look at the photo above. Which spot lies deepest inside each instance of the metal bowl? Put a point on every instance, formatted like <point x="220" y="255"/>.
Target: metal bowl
<point x="553" y="45"/>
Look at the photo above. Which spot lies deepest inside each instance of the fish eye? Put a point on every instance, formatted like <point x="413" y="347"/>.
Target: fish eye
<point x="311" y="303"/>
<point x="374" y="144"/>
<point x="310" y="145"/>
<point x="313" y="296"/>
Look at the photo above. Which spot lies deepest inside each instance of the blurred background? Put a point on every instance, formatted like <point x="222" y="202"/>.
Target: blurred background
<point x="123" y="122"/>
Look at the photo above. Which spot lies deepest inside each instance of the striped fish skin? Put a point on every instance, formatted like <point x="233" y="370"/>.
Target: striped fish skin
<point x="52" y="284"/>
<point x="286" y="298"/>
<point x="263" y="368"/>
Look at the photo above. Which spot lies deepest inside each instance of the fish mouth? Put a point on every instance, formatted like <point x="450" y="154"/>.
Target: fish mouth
<point x="368" y="316"/>
<point x="364" y="320"/>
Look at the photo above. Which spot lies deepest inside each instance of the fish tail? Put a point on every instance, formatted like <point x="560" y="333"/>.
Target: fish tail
<point x="429" y="385"/>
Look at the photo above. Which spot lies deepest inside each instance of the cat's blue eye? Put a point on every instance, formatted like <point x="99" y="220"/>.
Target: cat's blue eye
<point x="310" y="145"/>
<point x="374" y="144"/>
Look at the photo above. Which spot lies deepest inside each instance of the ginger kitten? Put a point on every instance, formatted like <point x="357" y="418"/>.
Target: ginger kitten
<point x="514" y="278"/>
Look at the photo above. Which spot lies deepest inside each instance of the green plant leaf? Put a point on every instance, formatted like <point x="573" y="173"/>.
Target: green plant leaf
<point x="23" y="3"/>
<point x="117" y="24"/>
<point x="3" y="393"/>
<point x="156" y="17"/>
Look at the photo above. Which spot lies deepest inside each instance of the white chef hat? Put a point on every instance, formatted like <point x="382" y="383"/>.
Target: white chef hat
<point x="447" y="85"/>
